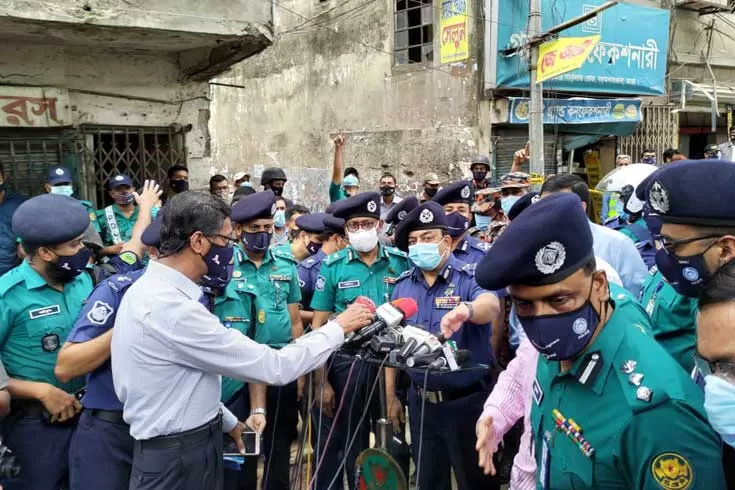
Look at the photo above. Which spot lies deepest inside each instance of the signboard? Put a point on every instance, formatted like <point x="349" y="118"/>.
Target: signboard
<point x="630" y="57"/>
<point x="578" y="111"/>
<point x="455" y="45"/>
<point x="563" y="55"/>
<point x="34" y="107"/>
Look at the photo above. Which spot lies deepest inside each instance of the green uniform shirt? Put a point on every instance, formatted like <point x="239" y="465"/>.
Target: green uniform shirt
<point x="630" y="234"/>
<point x="236" y="309"/>
<point x="277" y="286"/>
<point x="92" y="214"/>
<point x="336" y="192"/>
<point x="125" y="225"/>
<point x="35" y="320"/>
<point x="284" y="248"/>
<point x="631" y="403"/>
<point x="673" y="316"/>
<point x="343" y="277"/>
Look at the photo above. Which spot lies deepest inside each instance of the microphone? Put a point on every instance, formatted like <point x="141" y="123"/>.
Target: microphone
<point x="423" y="360"/>
<point x="453" y="360"/>
<point x="387" y="315"/>
<point x="366" y="302"/>
<point x="431" y="343"/>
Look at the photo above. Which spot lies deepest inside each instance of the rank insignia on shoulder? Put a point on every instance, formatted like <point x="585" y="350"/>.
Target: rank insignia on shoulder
<point x="644" y="394"/>
<point x="628" y="367"/>
<point x="635" y="379"/>
<point x="672" y="471"/>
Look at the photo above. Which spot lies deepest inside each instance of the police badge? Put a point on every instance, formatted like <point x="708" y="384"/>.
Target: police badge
<point x="550" y="258"/>
<point x="371" y="206"/>
<point x="658" y="198"/>
<point x="426" y="216"/>
<point x="99" y="313"/>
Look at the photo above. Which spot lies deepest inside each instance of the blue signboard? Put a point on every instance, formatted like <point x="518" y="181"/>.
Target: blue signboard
<point x="578" y="111"/>
<point x="629" y="59"/>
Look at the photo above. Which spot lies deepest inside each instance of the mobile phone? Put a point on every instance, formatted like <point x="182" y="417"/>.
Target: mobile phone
<point x="252" y="444"/>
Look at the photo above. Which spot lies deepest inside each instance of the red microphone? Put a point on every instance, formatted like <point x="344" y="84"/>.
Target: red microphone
<point x="387" y="315"/>
<point x="366" y="302"/>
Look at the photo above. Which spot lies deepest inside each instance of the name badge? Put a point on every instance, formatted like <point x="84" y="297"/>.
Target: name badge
<point x="348" y="284"/>
<point x="446" y="302"/>
<point x="390" y="280"/>
<point x="45" y="311"/>
<point x="280" y="277"/>
<point x="538" y="393"/>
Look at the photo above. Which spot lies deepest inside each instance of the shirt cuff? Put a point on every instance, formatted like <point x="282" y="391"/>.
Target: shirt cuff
<point x="229" y="421"/>
<point x="334" y="333"/>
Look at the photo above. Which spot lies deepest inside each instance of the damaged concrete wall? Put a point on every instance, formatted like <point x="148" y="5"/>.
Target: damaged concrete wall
<point x="407" y="120"/>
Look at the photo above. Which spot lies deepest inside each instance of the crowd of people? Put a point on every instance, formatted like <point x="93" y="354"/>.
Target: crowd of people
<point x="141" y="340"/>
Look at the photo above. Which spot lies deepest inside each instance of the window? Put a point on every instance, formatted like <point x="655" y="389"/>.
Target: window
<point x="414" y="31"/>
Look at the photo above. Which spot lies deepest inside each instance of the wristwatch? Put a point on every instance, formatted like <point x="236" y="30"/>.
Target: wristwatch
<point x="258" y="411"/>
<point x="470" y="308"/>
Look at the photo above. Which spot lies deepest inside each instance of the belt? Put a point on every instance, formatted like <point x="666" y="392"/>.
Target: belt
<point x="113" y="416"/>
<point x="187" y="438"/>
<point x="28" y="408"/>
<point x="451" y="395"/>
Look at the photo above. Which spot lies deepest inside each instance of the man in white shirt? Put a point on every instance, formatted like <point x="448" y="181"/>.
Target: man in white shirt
<point x="169" y="352"/>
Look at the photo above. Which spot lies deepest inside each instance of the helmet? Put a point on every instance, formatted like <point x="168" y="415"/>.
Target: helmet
<point x="711" y="149"/>
<point x="481" y="159"/>
<point x="272" y="173"/>
<point x="625" y="180"/>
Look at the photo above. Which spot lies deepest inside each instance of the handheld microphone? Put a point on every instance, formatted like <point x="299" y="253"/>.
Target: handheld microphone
<point x="366" y="302"/>
<point x="407" y="349"/>
<point x="387" y="315"/>
<point x="423" y="360"/>
<point x="453" y="360"/>
<point x="431" y="343"/>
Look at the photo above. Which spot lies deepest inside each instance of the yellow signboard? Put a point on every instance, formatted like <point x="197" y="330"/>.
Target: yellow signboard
<point x="562" y="55"/>
<point x="455" y="45"/>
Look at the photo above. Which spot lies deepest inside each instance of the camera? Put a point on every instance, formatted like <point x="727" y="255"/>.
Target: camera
<point x="9" y="468"/>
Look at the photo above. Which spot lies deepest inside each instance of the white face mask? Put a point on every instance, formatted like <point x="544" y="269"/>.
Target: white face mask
<point x="364" y="241"/>
<point x="63" y="190"/>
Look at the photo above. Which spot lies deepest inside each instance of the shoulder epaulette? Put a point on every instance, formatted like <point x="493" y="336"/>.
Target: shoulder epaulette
<point x="9" y="280"/>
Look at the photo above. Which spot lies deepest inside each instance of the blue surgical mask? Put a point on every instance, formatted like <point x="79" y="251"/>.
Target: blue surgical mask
<point x="649" y="160"/>
<point x="279" y="219"/>
<point x="482" y="221"/>
<point x="154" y="211"/>
<point x="687" y="275"/>
<point x="219" y="266"/>
<point x="425" y="256"/>
<point x="62" y="190"/>
<point x="507" y="202"/>
<point x="246" y="184"/>
<point x="257" y="242"/>
<point x="719" y="403"/>
<point x="457" y="223"/>
<point x="563" y="336"/>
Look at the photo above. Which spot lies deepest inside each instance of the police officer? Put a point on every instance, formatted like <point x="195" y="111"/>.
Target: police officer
<point x="277" y="322"/>
<point x="39" y="300"/>
<point x="396" y="215"/>
<point x="610" y="408"/>
<point x="480" y="167"/>
<point x="116" y="221"/>
<point x="449" y="298"/>
<point x="457" y="199"/>
<point x="363" y="268"/>
<point x="61" y="181"/>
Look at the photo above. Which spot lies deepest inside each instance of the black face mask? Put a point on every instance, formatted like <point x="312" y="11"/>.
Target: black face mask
<point x="431" y="191"/>
<point x="179" y="186"/>
<point x="479" y="175"/>
<point x="278" y="191"/>
<point x="387" y="190"/>
<point x="67" y="267"/>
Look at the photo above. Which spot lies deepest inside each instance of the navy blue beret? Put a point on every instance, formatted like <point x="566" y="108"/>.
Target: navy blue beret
<point x="460" y="191"/>
<point x="119" y="180"/>
<point x="365" y="204"/>
<point x="50" y="219"/>
<point x="334" y="225"/>
<point x="311" y="223"/>
<point x="152" y="234"/>
<point x="545" y="244"/>
<point x="429" y="215"/>
<point x="696" y="192"/>
<point x="400" y="210"/>
<point x="58" y="174"/>
<point x="521" y="204"/>
<point x="261" y="205"/>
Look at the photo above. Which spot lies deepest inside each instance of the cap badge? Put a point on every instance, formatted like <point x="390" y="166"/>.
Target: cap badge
<point x="119" y="178"/>
<point x="465" y="192"/>
<point x="551" y="258"/>
<point x="535" y="198"/>
<point x="371" y="206"/>
<point x="59" y="171"/>
<point x="426" y="216"/>
<point x="402" y="215"/>
<point x="658" y="197"/>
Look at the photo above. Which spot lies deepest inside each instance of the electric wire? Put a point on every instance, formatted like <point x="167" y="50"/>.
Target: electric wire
<point x="421" y="430"/>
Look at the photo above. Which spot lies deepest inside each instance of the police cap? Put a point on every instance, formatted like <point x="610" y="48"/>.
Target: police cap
<point x="400" y="210"/>
<point x="545" y="244"/>
<point x="311" y="223"/>
<point x="522" y="203"/>
<point x="332" y="224"/>
<point x="152" y="234"/>
<point x="695" y="192"/>
<point x="50" y="219"/>
<point x="428" y="216"/>
<point x="261" y="205"/>
<point x="119" y="180"/>
<point x="363" y="205"/>
<point x="460" y="191"/>
<point x="58" y="174"/>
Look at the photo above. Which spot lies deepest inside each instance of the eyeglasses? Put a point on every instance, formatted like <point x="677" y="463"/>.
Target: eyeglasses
<point x="229" y="240"/>
<point x="365" y="225"/>
<point x="721" y="369"/>
<point x="671" y="245"/>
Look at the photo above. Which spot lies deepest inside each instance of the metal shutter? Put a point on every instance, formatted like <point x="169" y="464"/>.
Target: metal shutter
<point x="510" y="140"/>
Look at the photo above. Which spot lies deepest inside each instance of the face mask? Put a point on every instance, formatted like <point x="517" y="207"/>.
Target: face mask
<point x="387" y="190"/>
<point x="313" y="247"/>
<point x="507" y="202"/>
<point x="278" y="191"/>
<point x="425" y="256"/>
<point x="563" y="336"/>
<point x="179" y="186"/>
<point x="67" y="267"/>
<point x="430" y="191"/>
<point x="62" y="190"/>
<point x="719" y="403"/>
<point x="279" y="219"/>
<point x="124" y="198"/>
<point x="687" y="275"/>
<point x="219" y="266"/>
<point x="457" y="223"/>
<point x="649" y="160"/>
<point x="246" y="184"/>
<point x="154" y="211"/>
<point x="256" y="242"/>
<point x="479" y="175"/>
<point x="482" y="221"/>
<point x="364" y="241"/>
